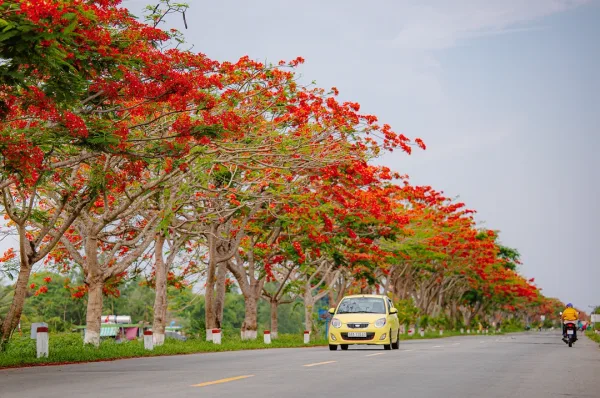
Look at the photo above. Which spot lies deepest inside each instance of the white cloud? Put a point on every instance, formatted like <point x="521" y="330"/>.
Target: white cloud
<point x="441" y="24"/>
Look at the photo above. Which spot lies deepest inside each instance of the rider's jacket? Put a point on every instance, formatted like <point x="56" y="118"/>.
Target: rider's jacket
<point x="570" y="314"/>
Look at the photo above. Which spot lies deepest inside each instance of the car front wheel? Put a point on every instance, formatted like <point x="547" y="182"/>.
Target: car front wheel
<point x="396" y="345"/>
<point x="388" y="346"/>
<point x="332" y="347"/>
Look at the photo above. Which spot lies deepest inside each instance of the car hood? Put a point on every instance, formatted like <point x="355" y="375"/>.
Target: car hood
<point x="359" y="318"/>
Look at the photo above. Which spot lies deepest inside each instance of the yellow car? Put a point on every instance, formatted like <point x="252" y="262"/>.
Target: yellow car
<point x="364" y="319"/>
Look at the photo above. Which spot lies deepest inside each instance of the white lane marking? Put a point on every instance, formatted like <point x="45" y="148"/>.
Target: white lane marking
<point x="407" y="350"/>
<point x="318" y="363"/>
<point x="456" y="344"/>
<point x="437" y="346"/>
<point x="372" y="355"/>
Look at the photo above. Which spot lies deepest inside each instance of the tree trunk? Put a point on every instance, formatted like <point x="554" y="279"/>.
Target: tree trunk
<point x="160" y="302"/>
<point x="94" y="313"/>
<point x="219" y="302"/>
<point x="332" y="300"/>
<point x="210" y="317"/>
<point x="274" y="320"/>
<point x="308" y="322"/>
<point x="250" y="325"/>
<point x="16" y="308"/>
<point x="308" y="310"/>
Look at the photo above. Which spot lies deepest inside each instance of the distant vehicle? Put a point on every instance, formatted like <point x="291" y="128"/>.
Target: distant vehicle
<point x="364" y="319"/>
<point x="571" y="336"/>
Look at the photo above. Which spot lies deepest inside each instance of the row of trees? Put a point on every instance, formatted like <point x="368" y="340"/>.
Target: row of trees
<point x="61" y="311"/>
<point x="124" y="155"/>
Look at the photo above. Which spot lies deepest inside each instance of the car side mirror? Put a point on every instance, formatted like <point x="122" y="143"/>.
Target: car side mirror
<point x="393" y="310"/>
<point x="332" y="311"/>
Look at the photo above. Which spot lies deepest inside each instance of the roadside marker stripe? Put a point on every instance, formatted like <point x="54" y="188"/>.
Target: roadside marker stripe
<point x="318" y="363"/>
<point x="210" y="383"/>
<point x="372" y="355"/>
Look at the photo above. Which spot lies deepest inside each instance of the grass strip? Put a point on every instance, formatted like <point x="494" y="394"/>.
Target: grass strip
<point x="593" y="336"/>
<point x="68" y="348"/>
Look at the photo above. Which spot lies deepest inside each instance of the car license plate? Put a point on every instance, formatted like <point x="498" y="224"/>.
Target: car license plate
<point x="357" y="334"/>
<point x="569" y="332"/>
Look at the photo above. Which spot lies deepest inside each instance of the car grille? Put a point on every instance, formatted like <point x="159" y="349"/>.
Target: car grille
<point x="369" y="337"/>
<point x="354" y="325"/>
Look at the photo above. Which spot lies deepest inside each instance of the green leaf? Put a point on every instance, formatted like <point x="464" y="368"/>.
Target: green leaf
<point x="69" y="16"/>
<point x="7" y="33"/>
<point x="71" y="27"/>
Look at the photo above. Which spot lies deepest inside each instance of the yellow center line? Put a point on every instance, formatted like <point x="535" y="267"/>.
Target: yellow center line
<point x="318" y="363"/>
<point x="372" y="355"/>
<point x="210" y="383"/>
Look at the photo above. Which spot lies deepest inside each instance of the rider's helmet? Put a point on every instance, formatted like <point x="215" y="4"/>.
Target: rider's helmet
<point x="569" y="305"/>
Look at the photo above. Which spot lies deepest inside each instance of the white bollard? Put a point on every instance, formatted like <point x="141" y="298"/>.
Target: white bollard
<point x="42" y="341"/>
<point x="267" y="337"/>
<point x="209" y="335"/>
<point x="411" y="332"/>
<point x="462" y="330"/>
<point x="468" y="331"/>
<point x="148" y="340"/>
<point x="441" y="332"/>
<point x="306" y="337"/>
<point x="216" y="336"/>
<point x="422" y="332"/>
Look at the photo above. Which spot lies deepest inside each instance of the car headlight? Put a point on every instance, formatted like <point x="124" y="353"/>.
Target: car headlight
<point x="380" y="323"/>
<point x="336" y="323"/>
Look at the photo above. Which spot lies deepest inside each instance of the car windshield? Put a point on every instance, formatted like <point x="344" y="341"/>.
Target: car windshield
<point x="361" y="305"/>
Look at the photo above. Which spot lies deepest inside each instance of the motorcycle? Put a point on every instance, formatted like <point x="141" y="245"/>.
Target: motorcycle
<point x="571" y="333"/>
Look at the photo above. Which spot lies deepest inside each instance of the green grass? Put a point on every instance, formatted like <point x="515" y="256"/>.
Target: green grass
<point x="68" y="348"/>
<point x="451" y="333"/>
<point x="593" y="336"/>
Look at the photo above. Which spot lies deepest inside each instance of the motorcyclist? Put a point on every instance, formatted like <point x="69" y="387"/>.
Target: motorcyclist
<point x="569" y="314"/>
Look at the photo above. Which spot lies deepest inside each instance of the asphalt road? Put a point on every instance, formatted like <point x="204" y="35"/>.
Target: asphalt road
<point x="530" y="365"/>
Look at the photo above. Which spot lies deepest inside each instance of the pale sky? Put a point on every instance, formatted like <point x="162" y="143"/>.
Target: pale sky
<point x="506" y="95"/>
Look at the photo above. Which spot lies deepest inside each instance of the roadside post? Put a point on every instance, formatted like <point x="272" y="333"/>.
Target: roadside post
<point x="34" y="327"/>
<point x="306" y="336"/>
<point x="41" y="339"/>
<point x="441" y="332"/>
<point x="267" y="337"/>
<point x="216" y="336"/>
<point x="462" y="330"/>
<point x="148" y="340"/>
<point x="422" y="332"/>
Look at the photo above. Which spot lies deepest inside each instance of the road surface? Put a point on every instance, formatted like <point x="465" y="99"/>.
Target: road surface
<point x="530" y="365"/>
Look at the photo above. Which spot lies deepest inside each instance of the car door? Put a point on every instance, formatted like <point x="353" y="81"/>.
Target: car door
<point x="395" y="321"/>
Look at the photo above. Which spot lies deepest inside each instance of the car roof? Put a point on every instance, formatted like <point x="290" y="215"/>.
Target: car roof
<point x="366" y="295"/>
